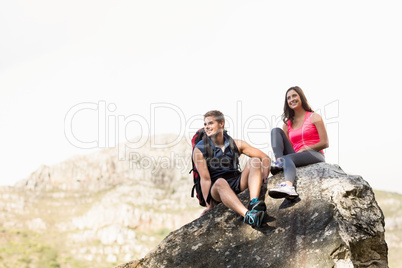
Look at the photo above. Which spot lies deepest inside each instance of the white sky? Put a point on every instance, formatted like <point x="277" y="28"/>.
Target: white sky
<point x="133" y="68"/>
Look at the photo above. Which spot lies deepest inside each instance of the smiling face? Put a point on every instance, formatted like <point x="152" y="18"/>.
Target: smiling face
<point x="212" y="127"/>
<point x="293" y="99"/>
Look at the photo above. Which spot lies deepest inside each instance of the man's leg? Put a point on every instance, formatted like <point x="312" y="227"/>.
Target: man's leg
<point x="222" y="192"/>
<point x="251" y="177"/>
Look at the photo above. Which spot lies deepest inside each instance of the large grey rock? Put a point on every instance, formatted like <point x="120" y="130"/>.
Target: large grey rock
<point x="336" y="222"/>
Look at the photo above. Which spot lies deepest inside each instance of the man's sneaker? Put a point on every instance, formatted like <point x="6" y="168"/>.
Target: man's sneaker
<point x="276" y="167"/>
<point x="284" y="191"/>
<point x="256" y="204"/>
<point x="254" y="218"/>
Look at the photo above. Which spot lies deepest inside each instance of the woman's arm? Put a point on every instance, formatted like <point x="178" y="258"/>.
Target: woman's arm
<point x="316" y="119"/>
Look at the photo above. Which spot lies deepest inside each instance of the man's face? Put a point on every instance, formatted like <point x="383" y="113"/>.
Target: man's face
<point x="212" y="127"/>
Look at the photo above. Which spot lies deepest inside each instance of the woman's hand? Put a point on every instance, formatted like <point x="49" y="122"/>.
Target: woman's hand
<point x="304" y="149"/>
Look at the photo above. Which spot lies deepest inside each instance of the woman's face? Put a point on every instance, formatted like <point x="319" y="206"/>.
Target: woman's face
<point x="293" y="99"/>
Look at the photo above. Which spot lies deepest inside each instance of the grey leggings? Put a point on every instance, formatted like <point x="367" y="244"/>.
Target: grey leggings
<point x="283" y="149"/>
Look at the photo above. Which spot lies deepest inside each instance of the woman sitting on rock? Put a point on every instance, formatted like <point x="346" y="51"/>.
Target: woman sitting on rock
<point x="299" y="143"/>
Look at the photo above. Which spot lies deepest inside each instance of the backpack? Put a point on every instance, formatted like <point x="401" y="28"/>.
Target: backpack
<point x="198" y="136"/>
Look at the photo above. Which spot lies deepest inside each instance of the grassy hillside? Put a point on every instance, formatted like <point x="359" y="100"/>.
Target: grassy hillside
<point x="77" y="230"/>
<point x="391" y="205"/>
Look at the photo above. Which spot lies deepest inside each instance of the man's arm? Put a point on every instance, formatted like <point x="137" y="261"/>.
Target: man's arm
<point x="247" y="149"/>
<point x="205" y="178"/>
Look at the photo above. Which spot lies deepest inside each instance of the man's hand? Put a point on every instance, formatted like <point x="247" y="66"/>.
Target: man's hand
<point x="209" y="207"/>
<point x="266" y="167"/>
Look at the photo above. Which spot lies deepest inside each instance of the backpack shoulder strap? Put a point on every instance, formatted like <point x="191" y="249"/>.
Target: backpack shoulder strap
<point x="234" y="148"/>
<point x="198" y="136"/>
<point x="207" y="147"/>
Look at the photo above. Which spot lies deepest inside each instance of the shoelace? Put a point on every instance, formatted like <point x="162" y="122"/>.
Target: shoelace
<point x="283" y="184"/>
<point x="253" y="201"/>
<point x="249" y="218"/>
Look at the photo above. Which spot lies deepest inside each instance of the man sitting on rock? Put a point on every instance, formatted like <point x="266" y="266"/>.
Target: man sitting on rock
<point x="221" y="181"/>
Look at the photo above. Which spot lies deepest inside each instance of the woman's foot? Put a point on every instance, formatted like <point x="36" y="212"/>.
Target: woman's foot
<point x="276" y="167"/>
<point x="284" y="191"/>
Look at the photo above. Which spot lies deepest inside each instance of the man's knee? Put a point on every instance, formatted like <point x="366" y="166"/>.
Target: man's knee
<point x="219" y="189"/>
<point x="254" y="163"/>
<point x="220" y="184"/>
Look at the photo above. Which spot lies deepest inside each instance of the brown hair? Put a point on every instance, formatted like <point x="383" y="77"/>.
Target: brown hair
<point x="218" y="116"/>
<point x="288" y="113"/>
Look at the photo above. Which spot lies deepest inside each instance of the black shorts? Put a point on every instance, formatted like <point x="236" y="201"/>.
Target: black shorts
<point x="234" y="183"/>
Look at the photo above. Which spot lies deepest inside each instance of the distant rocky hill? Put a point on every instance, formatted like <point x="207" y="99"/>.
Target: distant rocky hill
<point x="101" y="210"/>
<point x="96" y="210"/>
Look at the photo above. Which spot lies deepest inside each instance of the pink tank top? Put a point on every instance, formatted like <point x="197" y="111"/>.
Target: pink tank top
<point x="304" y="136"/>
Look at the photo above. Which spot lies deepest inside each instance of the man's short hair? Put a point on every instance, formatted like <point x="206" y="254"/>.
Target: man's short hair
<point x="218" y="116"/>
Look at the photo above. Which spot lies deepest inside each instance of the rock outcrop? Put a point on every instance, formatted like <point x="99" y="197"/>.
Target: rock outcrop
<point x="336" y="222"/>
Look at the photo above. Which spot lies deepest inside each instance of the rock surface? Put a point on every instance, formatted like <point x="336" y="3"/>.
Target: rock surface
<point x="336" y="222"/>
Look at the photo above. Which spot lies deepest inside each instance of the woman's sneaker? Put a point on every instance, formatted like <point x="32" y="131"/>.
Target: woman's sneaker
<point x="284" y="191"/>
<point x="276" y="167"/>
<point x="256" y="204"/>
<point x="254" y="218"/>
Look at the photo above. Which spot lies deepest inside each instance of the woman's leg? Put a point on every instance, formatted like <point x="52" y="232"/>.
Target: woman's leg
<point x="291" y="161"/>
<point x="280" y="143"/>
<point x="281" y="146"/>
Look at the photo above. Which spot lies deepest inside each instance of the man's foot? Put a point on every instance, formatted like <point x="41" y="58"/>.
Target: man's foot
<point x="254" y="218"/>
<point x="276" y="167"/>
<point x="284" y="191"/>
<point x="256" y="204"/>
